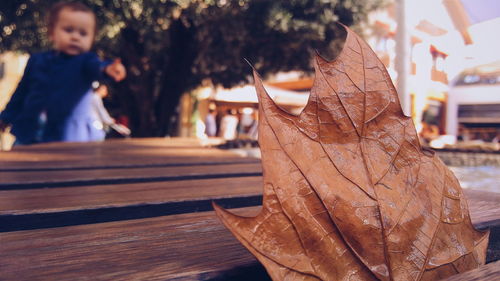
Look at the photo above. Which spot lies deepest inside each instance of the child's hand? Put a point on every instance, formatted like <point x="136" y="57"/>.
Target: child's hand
<point x="116" y="70"/>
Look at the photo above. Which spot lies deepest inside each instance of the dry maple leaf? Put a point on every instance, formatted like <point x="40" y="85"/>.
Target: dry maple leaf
<point x="349" y="194"/>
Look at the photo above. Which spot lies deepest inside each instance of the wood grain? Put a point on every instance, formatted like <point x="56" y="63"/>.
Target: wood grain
<point x="192" y="246"/>
<point x="114" y="153"/>
<point x="16" y="202"/>
<point x="484" y="207"/>
<point x="57" y="178"/>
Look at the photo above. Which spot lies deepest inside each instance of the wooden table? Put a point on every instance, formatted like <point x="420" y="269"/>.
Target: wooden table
<point x="138" y="210"/>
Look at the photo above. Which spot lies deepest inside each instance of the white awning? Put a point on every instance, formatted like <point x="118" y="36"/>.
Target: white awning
<point x="247" y="94"/>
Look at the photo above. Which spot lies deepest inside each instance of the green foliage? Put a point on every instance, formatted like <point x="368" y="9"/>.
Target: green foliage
<point x="172" y="46"/>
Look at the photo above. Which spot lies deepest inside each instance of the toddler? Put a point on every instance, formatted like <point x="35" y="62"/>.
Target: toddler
<point x="55" y="81"/>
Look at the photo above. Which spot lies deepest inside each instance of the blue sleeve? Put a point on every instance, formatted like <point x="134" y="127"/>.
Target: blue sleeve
<point x="16" y="103"/>
<point x="93" y="67"/>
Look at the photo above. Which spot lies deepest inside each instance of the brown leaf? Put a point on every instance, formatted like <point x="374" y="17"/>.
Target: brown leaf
<point x="349" y="194"/>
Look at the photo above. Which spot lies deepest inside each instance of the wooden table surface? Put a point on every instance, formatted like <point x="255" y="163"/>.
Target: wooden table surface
<point x="194" y="246"/>
<point x="139" y="210"/>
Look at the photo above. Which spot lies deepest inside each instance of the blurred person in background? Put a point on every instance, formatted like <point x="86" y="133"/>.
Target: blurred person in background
<point x="90" y="120"/>
<point x="246" y="121"/>
<point x="211" y="123"/>
<point x="55" y="81"/>
<point x="229" y="125"/>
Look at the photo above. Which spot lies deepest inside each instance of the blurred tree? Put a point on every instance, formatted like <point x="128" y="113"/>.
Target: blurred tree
<point x="171" y="47"/>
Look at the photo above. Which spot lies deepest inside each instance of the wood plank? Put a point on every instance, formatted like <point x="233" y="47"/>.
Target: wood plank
<point x="489" y="272"/>
<point x="50" y="161"/>
<point x="179" y="247"/>
<point x="484" y="207"/>
<point x="114" y="154"/>
<point x="64" y="178"/>
<point x="116" y="144"/>
<point x="16" y="202"/>
<point x="55" y="207"/>
<point x="37" y="208"/>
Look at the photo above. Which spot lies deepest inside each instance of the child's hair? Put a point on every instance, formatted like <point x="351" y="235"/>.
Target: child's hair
<point x="58" y="7"/>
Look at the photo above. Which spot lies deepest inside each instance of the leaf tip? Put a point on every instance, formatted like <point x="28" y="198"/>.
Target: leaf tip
<point x="249" y="63"/>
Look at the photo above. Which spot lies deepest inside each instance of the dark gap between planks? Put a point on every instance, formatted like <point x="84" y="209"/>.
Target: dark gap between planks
<point x="109" y="214"/>
<point x="74" y="183"/>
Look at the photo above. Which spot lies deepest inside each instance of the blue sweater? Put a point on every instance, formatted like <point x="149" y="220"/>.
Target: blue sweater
<point x="53" y="83"/>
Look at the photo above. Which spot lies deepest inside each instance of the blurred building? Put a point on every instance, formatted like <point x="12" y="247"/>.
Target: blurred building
<point x="446" y="37"/>
<point x="473" y="110"/>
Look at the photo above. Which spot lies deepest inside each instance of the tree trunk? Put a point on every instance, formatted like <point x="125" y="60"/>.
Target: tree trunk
<point x="177" y="75"/>
<point x="137" y="89"/>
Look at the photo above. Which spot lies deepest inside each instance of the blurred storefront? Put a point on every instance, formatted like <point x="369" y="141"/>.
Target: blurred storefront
<point x="474" y="104"/>
<point x="291" y="94"/>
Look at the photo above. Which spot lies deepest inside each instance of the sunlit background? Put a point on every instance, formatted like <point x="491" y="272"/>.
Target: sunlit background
<point x="445" y="63"/>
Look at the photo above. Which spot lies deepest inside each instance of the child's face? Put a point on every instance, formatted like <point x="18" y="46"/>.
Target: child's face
<point x="73" y="32"/>
<point x="102" y="91"/>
